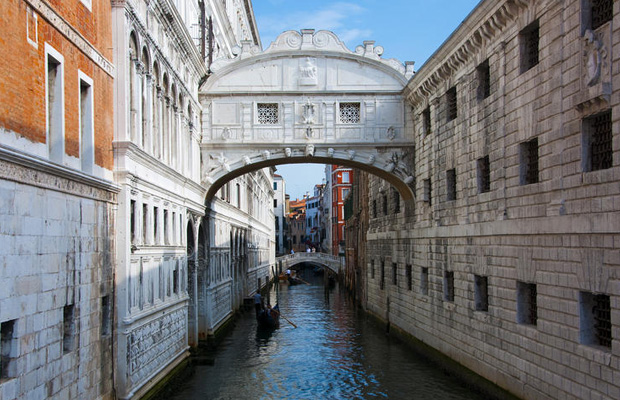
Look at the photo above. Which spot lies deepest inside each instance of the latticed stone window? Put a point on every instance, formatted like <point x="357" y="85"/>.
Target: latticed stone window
<point x="529" y="40"/>
<point x="267" y="113"/>
<point x="426" y="121"/>
<point x="595" y="319"/>
<point x="481" y="293"/>
<point x="451" y="104"/>
<point x="529" y="162"/>
<point x="527" y="307"/>
<point x="350" y="113"/>
<point x="484" y="80"/>
<point x="448" y="285"/>
<point x="484" y="174"/>
<point x="601" y="12"/>
<point x="597" y="142"/>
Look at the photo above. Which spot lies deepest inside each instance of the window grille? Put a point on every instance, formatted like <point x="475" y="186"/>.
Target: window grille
<point x="426" y="120"/>
<point x="349" y="113"/>
<point x="484" y="175"/>
<point x="600" y="141"/>
<point x="530" y="38"/>
<point x="602" y="319"/>
<point x="451" y="104"/>
<point x="527" y="307"/>
<point x="602" y="11"/>
<point x="529" y="162"/>
<point x="394" y="273"/>
<point x="451" y="184"/>
<point x="448" y="285"/>
<point x="408" y="275"/>
<point x="424" y="281"/>
<point x="484" y="80"/>
<point x="267" y="113"/>
<point x="481" y="295"/>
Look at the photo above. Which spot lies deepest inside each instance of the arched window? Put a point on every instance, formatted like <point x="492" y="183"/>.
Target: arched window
<point x="133" y="86"/>
<point x="144" y="100"/>
<point x="157" y="98"/>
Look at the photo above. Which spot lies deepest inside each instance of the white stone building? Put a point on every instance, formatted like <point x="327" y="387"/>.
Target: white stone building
<point x="176" y="265"/>
<point x="279" y="209"/>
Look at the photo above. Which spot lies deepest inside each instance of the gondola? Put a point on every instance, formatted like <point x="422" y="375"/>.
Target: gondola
<point x="269" y="319"/>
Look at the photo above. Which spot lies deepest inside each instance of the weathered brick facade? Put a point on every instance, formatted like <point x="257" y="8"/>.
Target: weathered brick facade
<point x="512" y="238"/>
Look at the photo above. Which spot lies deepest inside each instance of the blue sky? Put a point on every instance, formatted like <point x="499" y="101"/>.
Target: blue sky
<point x="408" y="30"/>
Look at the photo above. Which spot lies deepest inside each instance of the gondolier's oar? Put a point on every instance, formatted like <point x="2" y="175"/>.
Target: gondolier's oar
<point x="288" y="320"/>
<point x="302" y="280"/>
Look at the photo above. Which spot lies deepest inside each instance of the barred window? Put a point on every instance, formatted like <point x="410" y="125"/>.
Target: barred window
<point x="451" y="184"/>
<point x="481" y="293"/>
<point x="451" y="104"/>
<point x="448" y="285"/>
<point x="597" y="142"/>
<point x="601" y="12"/>
<point x="529" y="41"/>
<point x="484" y="175"/>
<point x="350" y="113"/>
<point x="527" y="306"/>
<point x="529" y="162"/>
<point x="426" y="120"/>
<point x="484" y="80"/>
<point x="595" y="319"/>
<point x="267" y="113"/>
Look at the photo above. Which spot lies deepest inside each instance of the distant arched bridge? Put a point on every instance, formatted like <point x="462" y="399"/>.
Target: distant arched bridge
<point x="332" y="263"/>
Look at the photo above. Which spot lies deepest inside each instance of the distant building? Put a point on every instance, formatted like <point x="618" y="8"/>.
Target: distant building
<point x="341" y="183"/>
<point x="279" y="211"/>
<point x="314" y="217"/>
<point x="297" y="224"/>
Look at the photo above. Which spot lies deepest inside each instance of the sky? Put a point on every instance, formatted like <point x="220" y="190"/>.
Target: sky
<point x="408" y="30"/>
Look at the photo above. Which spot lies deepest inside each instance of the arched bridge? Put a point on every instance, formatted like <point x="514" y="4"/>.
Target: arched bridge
<point x="307" y="99"/>
<point x="323" y="259"/>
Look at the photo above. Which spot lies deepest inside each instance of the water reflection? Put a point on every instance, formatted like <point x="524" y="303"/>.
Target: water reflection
<point x="334" y="353"/>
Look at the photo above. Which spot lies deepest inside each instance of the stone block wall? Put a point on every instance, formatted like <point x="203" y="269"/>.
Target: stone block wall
<point x="516" y="280"/>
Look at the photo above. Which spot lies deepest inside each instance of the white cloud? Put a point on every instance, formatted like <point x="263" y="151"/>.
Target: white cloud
<point x="339" y="18"/>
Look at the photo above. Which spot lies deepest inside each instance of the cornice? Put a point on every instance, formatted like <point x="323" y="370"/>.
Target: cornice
<point x="480" y="27"/>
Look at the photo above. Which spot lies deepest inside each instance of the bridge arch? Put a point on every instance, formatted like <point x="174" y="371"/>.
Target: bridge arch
<point x="307" y="99"/>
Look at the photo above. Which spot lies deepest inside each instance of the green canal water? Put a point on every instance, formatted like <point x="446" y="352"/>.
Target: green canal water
<point x="335" y="352"/>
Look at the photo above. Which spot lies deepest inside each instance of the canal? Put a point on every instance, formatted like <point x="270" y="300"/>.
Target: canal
<point x="334" y="353"/>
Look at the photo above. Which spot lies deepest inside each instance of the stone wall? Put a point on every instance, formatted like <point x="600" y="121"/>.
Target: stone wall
<point x="512" y="237"/>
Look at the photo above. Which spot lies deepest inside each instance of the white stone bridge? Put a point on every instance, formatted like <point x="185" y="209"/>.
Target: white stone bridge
<point x="328" y="261"/>
<point x="307" y="99"/>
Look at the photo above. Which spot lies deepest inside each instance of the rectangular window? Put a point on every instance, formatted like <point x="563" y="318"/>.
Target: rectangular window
<point x="132" y="220"/>
<point x="484" y="174"/>
<point x="349" y="113"/>
<point x="374" y="208"/>
<point x="87" y="134"/>
<point x="32" y="28"/>
<point x="275" y="203"/>
<point x="529" y="162"/>
<point x="238" y="195"/>
<point x="597" y="150"/>
<point x="426" y="121"/>
<point x="527" y="307"/>
<point x="483" y="73"/>
<point x="68" y="328"/>
<point x="448" y="285"/>
<point x="451" y="184"/>
<point x="385" y="204"/>
<point x="394" y="274"/>
<point x="275" y="186"/>
<point x="294" y="239"/>
<point x="145" y="210"/>
<point x="372" y="269"/>
<point x="166" y="226"/>
<point x="481" y="293"/>
<point x="175" y="278"/>
<point x="106" y="316"/>
<point x="345" y="193"/>
<point x="424" y="281"/>
<point x="382" y="281"/>
<point x="345" y="177"/>
<point x="156" y="238"/>
<point x="426" y="195"/>
<point x="396" y="199"/>
<point x="267" y="113"/>
<point x="55" y="105"/>
<point x="408" y="276"/>
<point x="601" y="12"/>
<point x="8" y="350"/>
<point x="595" y="319"/>
<point x="528" y="42"/>
<point x="451" y="104"/>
